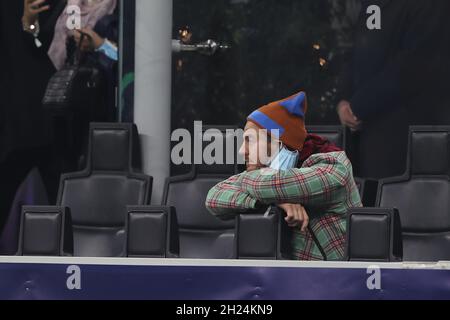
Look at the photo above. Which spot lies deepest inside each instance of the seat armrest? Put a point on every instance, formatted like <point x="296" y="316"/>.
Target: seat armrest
<point x="45" y="231"/>
<point x="373" y="234"/>
<point x="262" y="237"/>
<point x="152" y="232"/>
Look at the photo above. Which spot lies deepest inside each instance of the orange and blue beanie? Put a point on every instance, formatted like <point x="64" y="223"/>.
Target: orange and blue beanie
<point x="287" y="116"/>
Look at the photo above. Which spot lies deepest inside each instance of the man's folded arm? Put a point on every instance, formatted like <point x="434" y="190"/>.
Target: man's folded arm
<point x="320" y="182"/>
<point x="227" y="199"/>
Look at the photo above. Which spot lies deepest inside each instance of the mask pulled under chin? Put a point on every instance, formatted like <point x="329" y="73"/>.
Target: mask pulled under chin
<point x="285" y="159"/>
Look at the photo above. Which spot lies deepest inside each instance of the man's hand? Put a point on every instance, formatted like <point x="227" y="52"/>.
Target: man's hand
<point x="295" y="215"/>
<point x="31" y="10"/>
<point x="91" y="41"/>
<point x="347" y="117"/>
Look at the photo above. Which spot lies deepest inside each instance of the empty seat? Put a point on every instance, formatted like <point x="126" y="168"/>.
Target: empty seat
<point x="201" y="234"/>
<point x="422" y="195"/>
<point x="97" y="197"/>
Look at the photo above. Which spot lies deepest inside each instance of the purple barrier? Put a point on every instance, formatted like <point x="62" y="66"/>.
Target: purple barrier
<point x="96" y="278"/>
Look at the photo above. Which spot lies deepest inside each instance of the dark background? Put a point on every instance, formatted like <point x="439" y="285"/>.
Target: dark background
<point x="272" y="56"/>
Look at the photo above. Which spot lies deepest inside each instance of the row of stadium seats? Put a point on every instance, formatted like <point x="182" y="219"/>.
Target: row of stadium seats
<point x="97" y="198"/>
<point x="106" y="208"/>
<point x="421" y="219"/>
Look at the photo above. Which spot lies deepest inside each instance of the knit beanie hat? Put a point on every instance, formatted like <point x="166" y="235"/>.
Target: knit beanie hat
<point x="287" y="116"/>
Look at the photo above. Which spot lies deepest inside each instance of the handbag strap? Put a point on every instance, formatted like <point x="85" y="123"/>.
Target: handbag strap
<point x="79" y="53"/>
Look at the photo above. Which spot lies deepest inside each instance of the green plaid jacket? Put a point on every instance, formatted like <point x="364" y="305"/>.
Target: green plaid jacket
<point x="324" y="185"/>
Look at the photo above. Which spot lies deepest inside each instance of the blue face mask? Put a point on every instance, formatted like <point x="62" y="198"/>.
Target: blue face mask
<point x="285" y="159"/>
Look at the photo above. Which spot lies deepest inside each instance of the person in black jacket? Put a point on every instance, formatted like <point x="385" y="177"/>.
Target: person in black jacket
<point x="25" y="130"/>
<point x="27" y="137"/>
<point x="398" y="76"/>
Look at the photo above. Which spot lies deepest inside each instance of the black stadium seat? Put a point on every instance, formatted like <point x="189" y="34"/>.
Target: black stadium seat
<point x="45" y="231"/>
<point x="373" y="234"/>
<point x="422" y="195"/>
<point x="97" y="196"/>
<point x="201" y="234"/>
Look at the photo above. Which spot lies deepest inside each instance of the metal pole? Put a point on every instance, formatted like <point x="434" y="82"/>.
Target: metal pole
<point x="153" y="88"/>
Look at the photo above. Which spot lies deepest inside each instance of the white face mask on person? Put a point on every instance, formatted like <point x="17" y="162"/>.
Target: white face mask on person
<point x="285" y="159"/>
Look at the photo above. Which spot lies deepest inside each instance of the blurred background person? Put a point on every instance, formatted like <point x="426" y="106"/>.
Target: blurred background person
<point x="25" y="131"/>
<point x="398" y="76"/>
<point x="96" y="22"/>
<point x="35" y="44"/>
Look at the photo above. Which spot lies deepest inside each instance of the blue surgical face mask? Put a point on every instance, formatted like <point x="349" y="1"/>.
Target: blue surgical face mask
<point x="285" y="159"/>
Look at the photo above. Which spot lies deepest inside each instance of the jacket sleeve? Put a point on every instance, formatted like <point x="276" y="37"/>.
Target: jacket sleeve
<point x="227" y="199"/>
<point x="107" y="27"/>
<point x="320" y="182"/>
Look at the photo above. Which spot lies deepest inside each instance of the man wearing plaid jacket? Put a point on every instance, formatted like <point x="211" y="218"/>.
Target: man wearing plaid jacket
<point x="313" y="184"/>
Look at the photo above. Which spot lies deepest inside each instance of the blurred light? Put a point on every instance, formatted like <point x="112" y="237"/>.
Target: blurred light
<point x="179" y="65"/>
<point x="316" y="46"/>
<point x="185" y="34"/>
<point x="322" y="62"/>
